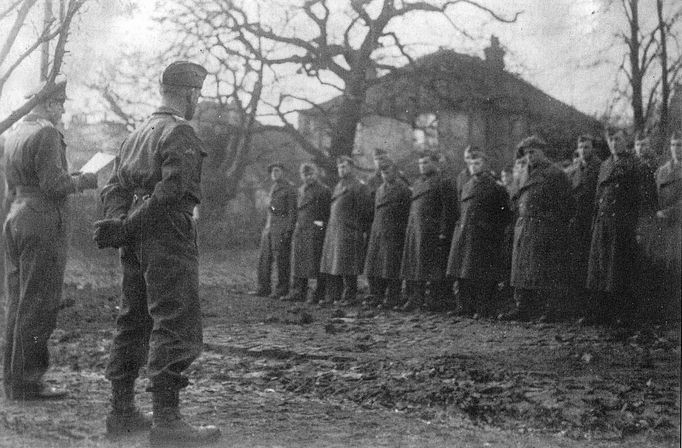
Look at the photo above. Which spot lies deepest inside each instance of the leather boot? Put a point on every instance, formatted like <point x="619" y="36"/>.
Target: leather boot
<point x="168" y="427"/>
<point x="125" y="418"/>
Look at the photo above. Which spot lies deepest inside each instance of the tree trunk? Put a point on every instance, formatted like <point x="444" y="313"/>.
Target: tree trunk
<point x="635" y="68"/>
<point x="348" y="117"/>
<point x="665" y="85"/>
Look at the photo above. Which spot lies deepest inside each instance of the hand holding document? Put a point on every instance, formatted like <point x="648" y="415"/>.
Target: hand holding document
<point x="319" y="223"/>
<point x="97" y="162"/>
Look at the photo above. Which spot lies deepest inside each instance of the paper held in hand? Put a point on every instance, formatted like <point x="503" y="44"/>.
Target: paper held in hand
<point x="97" y="162"/>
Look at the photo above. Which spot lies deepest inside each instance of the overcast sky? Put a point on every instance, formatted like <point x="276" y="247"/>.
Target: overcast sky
<point x="553" y="44"/>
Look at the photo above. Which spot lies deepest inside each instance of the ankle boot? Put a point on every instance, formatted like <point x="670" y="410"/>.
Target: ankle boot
<point x="125" y="418"/>
<point x="169" y="429"/>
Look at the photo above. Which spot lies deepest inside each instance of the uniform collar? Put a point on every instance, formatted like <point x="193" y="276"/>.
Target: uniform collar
<point x="169" y="111"/>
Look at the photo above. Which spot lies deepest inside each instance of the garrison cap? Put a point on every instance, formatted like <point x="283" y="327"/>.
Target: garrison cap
<point x="184" y="74"/>
<point x="278" y="164"/>
<point x="379" y="153"/>
<point x="474" y="152"/>
<point x="57" y="93"/>
<point x="308" y="168"/>
<point x="532" y="142"/>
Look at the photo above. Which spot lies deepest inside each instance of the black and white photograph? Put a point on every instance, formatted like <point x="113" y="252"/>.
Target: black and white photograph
<point x="340" y="223"/>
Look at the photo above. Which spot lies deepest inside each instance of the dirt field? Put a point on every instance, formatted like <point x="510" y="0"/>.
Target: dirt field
<point x="284" y="375"/>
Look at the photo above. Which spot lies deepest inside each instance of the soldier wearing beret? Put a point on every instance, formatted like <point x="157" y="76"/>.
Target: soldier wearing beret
<point x="614" y="254"/>
<point x="478" y="239"/>
<point x="314" y="200"/>
<point x="387" y="236"/>
<point x="35" y="238"/>
<point x="148" y="204"/>
<point x="275" y="243"/>
<point x="343" y="252"/>
<point x="544" y="207"/>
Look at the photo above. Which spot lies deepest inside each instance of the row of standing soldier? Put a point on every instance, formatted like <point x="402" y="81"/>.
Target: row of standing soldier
<point x="574" y="241"/>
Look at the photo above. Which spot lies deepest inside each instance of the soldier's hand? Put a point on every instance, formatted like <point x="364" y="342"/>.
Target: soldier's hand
<point x="110" y="233"/>
<point x="86" y="181"/>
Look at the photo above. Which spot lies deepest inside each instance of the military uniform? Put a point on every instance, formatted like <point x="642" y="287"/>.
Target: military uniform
<point x="313" y="213"/>
<point x="35" y="235"/>
<point x="539" y="259"/>
<point x="156" y="184"/>
<point x="433" y="211"/>
<point x="478" y="241"/>
<point x="669" y="186"/>
<point x="583" y="178"/>
<point x="275" y="244"/>
<point x="613" y="260"/>
<point x="343" y="254"/>
<point x="387" y="236"/>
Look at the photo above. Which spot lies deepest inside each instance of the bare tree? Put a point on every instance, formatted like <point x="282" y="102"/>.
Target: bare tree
<point x="54" y="29"/>
<point x="644" y="49"/>
<point x="348" y="62"/>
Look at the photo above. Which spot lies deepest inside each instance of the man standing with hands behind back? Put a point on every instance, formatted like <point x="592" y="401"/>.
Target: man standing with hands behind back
<point x="148" y="205"/>
<point x="35" y="238"/>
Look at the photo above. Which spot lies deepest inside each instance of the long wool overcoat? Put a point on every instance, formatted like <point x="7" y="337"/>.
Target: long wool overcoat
<point x="313" y="213"/>
<point x="613" y="251"/>
<point x="583" y="188"/>
<point x="544" y="207"/>
<point x="669" y="186"/>
<point x="478" y="239"/>
<point x="351" y="213"/>
<point x="385" y="249"/>
<point x="433" y="211"/>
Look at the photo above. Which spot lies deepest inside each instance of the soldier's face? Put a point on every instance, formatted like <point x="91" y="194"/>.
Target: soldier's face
<point x="308" y="177"/>
<point x="55" y="110"/>
<point x="343" y="169"/>
<point x="276" y="173"/>
<point x="616" y="143"/>
<point x="676" y="149"/>
<point x="584" y="150"/>
<point x="642" y="147"/>
<point x="426" y="166"/>
<point x="475" y="166"/>
<point x="389" y="174"/>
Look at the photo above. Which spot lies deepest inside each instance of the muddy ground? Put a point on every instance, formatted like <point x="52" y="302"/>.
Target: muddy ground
<point x="285" y="375"/>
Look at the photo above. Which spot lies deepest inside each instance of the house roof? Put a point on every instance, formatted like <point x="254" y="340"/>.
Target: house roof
<point x="446" y="79"/>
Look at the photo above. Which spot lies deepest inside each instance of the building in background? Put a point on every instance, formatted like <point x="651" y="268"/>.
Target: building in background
<point x="447" y="100"/>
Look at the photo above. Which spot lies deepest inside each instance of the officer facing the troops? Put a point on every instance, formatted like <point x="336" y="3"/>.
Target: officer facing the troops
<point x="478" y="238"/>
<point x="35" y="238"/>
<point x="148" y="204"/>
<point x="314" y="200"/>
<point x="275" y="244"/>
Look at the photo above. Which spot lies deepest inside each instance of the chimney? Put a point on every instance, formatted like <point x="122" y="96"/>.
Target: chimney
<point x="494" y="54"/>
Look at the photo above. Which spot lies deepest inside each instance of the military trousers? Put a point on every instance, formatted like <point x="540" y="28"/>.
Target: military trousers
<point x="279" y="253"/>
<point x="476" y="296"/>
<point x="385" y="288"/>
<point x="300" y="287"/>
<point x="159" y="322"/>
<point x="341" y="288"/>
<point x="35" y="259"/>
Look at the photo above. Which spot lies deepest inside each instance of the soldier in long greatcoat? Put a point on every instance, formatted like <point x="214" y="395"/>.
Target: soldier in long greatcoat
<point x="313" y="213"/>
<point x="614" y="254"/>
<point x="387" y="236"/>
<point x="343" y="254"/>
<point x="583" y="177"/>
<point x="478" y="241"/>
<point x="669" y="217"/>
<point x="544" y="207"/>
<point x="275" y="244"/>
<point x="433" y="211"/>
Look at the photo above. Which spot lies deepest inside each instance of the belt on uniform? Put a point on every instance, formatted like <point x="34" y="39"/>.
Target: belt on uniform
<point x="185" y="205"/>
